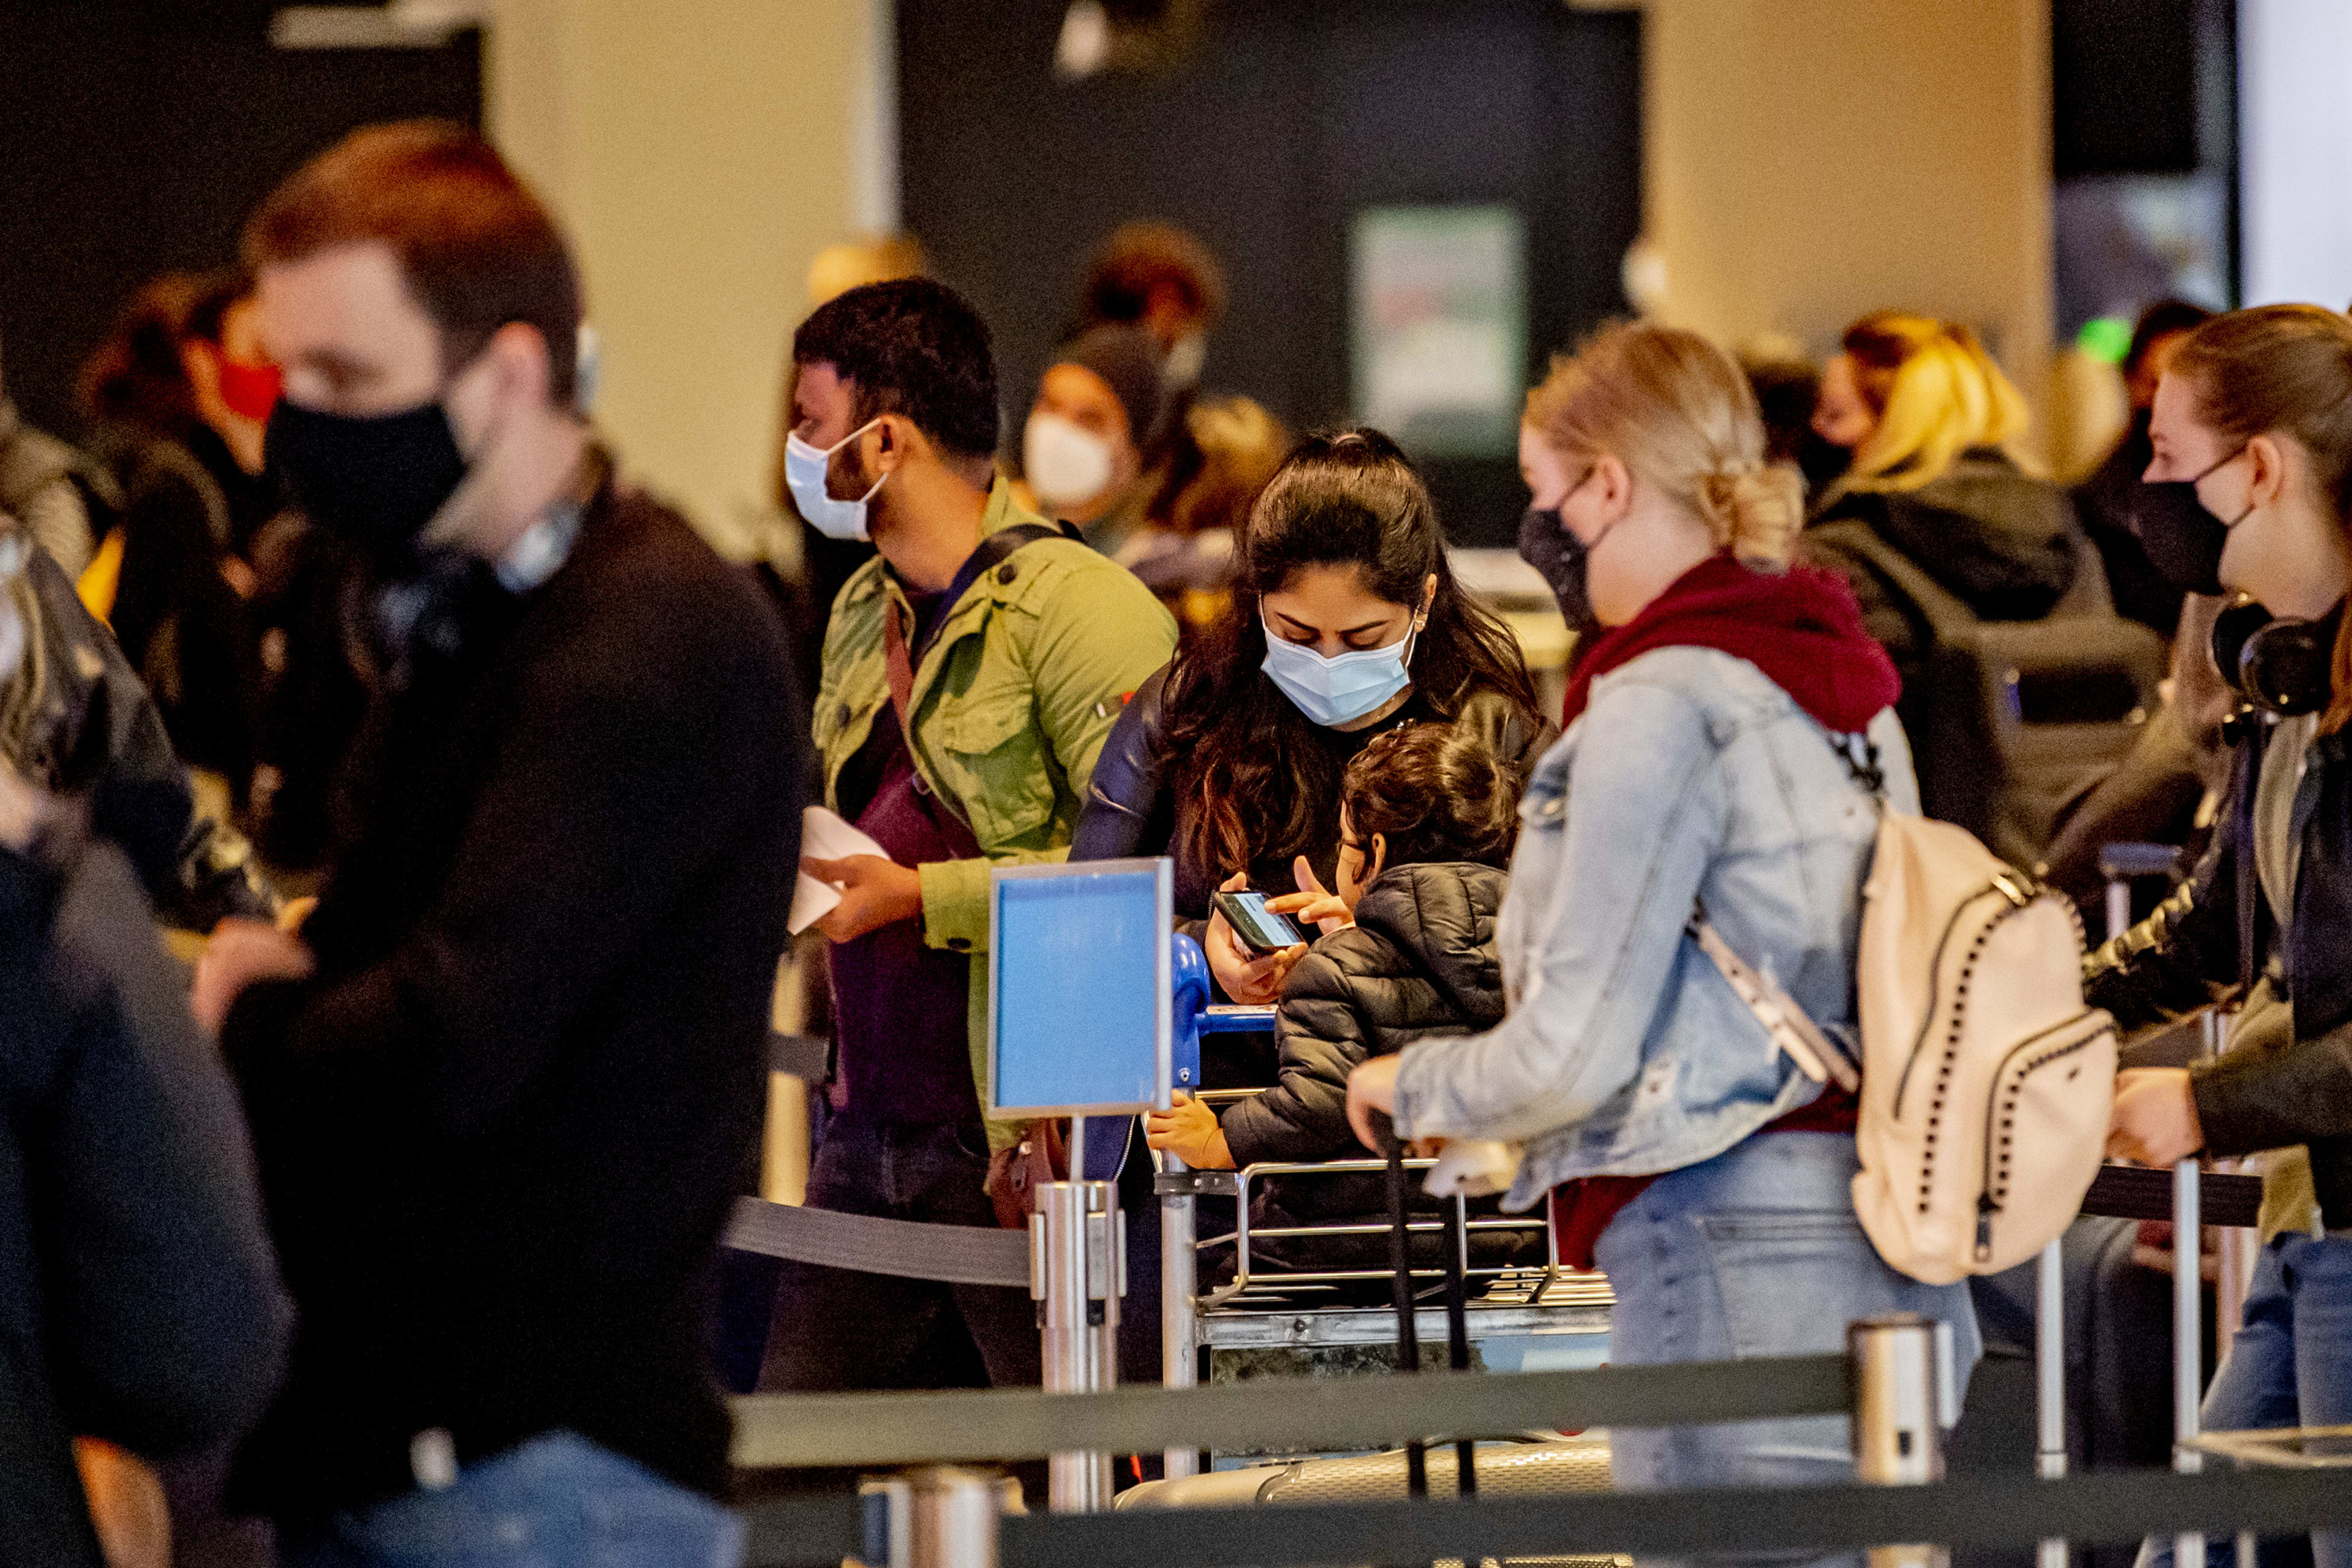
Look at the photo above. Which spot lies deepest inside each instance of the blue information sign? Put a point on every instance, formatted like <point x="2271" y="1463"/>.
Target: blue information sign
<point x="1078" y="1016"/>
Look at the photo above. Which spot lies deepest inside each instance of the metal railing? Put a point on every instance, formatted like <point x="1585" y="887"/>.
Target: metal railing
<point x="1890" y="1380"/>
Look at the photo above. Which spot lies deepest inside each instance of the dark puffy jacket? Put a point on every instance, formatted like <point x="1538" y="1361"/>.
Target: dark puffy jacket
<point x="139" y="1302"/>
<point x="1419" y="962"/>
<point x="2213" y="937"/>
<point x="2004" y="544"/>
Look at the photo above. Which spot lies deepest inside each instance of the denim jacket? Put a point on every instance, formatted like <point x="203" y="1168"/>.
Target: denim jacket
<point x="1691" y="780"/>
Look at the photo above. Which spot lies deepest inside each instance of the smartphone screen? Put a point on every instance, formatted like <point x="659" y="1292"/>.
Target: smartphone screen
<point x="1259" y="928"/>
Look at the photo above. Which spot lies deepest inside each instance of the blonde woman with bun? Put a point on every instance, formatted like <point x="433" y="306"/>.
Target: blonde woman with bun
<point x="1726" y="735"/>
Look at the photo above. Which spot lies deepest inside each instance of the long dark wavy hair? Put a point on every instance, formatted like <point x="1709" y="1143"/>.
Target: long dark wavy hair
<point x="1252" y="782"/>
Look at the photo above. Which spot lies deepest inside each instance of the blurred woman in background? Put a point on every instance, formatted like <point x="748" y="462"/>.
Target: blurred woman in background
<point x="2252" y="475"/>
<point x="1093" y="450"/>
<point x="166" y="578"/>
<point x="1929" y="419"/>
<point x="1226" y="452"/>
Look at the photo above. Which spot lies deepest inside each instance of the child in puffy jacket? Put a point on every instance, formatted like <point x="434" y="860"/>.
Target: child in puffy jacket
<point x="1428" y="815"/>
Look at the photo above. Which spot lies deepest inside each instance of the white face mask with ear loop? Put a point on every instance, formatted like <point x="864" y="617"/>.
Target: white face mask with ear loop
<point x="1064" y="463"/>
<point x="805" y="467"/>
<point x="588" y="370"/>
<point x="1339" y="688"/>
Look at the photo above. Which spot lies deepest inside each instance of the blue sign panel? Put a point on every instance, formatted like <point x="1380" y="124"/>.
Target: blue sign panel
<point x="1078" y="1020"/>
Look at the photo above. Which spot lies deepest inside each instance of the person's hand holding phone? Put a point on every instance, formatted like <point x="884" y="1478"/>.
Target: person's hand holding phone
<point x="1251" y="979"/>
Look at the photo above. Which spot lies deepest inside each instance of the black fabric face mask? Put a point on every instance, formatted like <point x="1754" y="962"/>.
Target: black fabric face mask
<point x="1546" y="544"/>
<point x="374" y="480"/>
<point x="2183" y="540"/>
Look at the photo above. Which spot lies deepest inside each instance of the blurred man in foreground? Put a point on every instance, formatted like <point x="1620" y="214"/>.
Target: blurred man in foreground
<point x="505" y="1085"/>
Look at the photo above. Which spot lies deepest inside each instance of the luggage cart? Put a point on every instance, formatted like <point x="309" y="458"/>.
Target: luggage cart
<point x="1265" y="1306"/>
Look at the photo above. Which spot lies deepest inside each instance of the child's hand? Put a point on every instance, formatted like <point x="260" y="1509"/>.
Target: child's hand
<point x="1372" y="1087"/>
<point x="1189" y="1132"/>
<point x="1313" y="904"/>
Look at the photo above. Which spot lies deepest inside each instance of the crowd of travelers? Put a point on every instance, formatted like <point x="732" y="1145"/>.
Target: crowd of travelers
<point x="374" y="1219"/>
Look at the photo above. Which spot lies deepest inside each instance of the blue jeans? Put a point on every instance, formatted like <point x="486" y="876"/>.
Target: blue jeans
<point x="2290" y="1366"/>
<point x="1754" y="1252"/>
<point x="555" y="1502"/>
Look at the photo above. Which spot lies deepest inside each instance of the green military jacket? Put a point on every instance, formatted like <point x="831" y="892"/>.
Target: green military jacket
<point x="1012" y="703"/>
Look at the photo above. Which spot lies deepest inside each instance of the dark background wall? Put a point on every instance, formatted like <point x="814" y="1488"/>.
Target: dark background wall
<point x="134" y="138"/>
<point x="1288" y="119"/>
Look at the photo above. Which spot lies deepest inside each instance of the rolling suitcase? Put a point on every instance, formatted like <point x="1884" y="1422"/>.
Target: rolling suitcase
<point x="1457" y="1310"/>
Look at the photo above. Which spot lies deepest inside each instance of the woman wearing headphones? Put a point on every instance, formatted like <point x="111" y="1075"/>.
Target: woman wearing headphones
<point x="2250" y="491"/>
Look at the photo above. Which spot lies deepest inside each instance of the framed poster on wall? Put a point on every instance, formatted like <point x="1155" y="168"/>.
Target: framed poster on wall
<point x="1438" y="326"/>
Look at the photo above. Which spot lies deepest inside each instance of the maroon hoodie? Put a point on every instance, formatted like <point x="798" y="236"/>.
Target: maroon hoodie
<point x="1801" y="628"/>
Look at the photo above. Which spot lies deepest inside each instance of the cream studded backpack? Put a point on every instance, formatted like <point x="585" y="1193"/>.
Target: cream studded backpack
<point x="1986" y="1080"/>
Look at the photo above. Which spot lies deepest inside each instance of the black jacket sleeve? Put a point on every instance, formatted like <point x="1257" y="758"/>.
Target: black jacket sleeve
<point x="2277" y="1096"/>
<point x="161" y="1309"/>
<point x="1322" y="1036"/>
<point x="2188" y="953"/>
<point x="1128" y="810"/>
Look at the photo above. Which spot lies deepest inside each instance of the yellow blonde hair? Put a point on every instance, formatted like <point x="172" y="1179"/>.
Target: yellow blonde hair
<point x="1675" y="410"/>
<point x="1936" y="393"/>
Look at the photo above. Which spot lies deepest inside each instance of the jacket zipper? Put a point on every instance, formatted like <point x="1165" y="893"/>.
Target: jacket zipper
<point x="1988" y="1202"/>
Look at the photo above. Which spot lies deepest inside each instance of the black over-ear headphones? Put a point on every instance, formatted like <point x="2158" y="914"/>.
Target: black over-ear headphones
<point x="2280" y="663"/>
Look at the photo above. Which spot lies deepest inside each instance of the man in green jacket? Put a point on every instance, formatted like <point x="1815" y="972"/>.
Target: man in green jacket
<point x="972" y="672"/>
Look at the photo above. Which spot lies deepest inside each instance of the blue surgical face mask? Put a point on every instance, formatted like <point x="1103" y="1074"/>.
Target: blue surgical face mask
<point x="805" y="467"/>
<point x="1343" y="688"/>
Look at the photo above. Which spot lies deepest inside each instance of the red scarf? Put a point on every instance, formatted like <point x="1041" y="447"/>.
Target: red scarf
<point x="1800" y="627"/>
<point x="1803" y="630"/>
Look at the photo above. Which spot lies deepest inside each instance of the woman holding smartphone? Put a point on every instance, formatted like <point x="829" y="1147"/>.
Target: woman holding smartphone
<point x="1347" y="624"/>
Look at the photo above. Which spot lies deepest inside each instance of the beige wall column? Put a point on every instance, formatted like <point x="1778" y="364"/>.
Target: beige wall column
<point x="700" y="153"/>
<point x="1810" y="160"/>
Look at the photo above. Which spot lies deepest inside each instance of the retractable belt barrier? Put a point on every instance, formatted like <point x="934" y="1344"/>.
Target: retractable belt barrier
<point x="795" y="1430"/>
<point x="975" y="1255"/>
<point x="1991" y="1510"/>
<point x="2138" y="1192"/>
<point x="956" y="1254"/>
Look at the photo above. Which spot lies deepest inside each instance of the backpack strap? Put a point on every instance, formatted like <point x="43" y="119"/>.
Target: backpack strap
<point x="1792" y="1029"/>
<point x="901" y="659"/>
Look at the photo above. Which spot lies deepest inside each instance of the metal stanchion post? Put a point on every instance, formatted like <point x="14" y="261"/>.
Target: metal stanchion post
<point x="2119" y="895"/>
<point x="1179" y="1286"/>
<point x="1898" y="1430"/>
<point x="1076" y="1263"/>
<point x="942" y="1517"/>
<point x="2050" y="1381"/>
<point x="2188" y="1360"/>
<point x="2188" y="1328"/>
